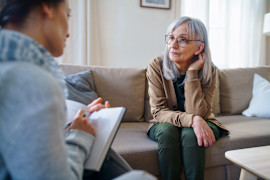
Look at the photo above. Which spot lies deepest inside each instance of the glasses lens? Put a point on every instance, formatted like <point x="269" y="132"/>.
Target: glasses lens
<point x="182" y="42"/>
<point x="168" y="39"/>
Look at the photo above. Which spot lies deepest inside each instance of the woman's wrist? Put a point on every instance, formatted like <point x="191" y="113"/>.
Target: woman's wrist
<point x="192" y="74"/>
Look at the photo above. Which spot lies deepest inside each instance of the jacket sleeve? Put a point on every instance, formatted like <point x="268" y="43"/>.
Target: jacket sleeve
<point x="198" y="98"/>
<point x="160" y="95"/>
<point x="33" y="143"/>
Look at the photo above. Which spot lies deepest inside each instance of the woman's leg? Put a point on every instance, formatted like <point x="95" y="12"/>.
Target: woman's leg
<point x="113" y="166"/>
<point x="194" y="155"/>
<point x="169" y="149"/>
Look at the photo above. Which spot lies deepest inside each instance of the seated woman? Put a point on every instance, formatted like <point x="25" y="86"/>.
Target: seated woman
<point x="181" y="89"/>
<point x="34" y="144"/>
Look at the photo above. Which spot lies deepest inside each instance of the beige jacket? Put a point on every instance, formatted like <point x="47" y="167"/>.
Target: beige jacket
<point x="163" y="101"/>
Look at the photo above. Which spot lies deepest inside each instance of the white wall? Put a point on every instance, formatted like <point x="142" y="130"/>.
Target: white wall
<point x="267" y="48"/>
<point x="130" y="36"/>
<point x="122" y="33"/>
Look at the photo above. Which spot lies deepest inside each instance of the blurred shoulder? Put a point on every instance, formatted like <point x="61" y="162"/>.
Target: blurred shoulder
<point x="156" y="63"/>
<point x="27" y="77"/>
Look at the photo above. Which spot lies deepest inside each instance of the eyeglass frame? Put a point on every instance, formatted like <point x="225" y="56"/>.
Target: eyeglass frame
<point x="187" y="40"/>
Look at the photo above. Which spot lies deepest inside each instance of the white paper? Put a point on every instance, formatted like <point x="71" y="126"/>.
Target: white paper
<point x="106" y="122"/>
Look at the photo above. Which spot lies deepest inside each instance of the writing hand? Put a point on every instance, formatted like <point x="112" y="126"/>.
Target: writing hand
<point x="81" y="122"/>
<point x="203" y="132"/>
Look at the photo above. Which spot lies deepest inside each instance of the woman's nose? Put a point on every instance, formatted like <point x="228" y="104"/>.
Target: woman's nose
<point x="174" y="43"/>
<point x="67" y="36"/>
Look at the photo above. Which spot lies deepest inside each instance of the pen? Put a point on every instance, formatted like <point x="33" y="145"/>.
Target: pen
<point x="85" y="114"/>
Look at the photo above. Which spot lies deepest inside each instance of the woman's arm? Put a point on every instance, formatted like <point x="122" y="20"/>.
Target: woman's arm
<point x="198" y="98"/>
<point x="32" y="135"/>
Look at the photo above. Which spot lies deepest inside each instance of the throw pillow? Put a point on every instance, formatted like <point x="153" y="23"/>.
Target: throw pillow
<point x="259" y="104"/>
<point x="81" y="87"/>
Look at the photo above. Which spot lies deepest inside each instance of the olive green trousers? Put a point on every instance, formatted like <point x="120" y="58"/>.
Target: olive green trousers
<point x="177" y="148"/>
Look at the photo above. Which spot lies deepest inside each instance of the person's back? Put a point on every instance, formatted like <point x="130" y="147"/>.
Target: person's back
<point x="28" y="95"/>
<point x="32" y="110"/>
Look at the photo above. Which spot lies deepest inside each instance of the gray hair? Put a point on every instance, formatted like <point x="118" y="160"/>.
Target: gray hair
<point x="196" y="30"/>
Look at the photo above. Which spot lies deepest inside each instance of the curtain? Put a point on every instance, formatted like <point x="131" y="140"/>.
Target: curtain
<point x="234" y="28"/>
<point x="82" y="47"/>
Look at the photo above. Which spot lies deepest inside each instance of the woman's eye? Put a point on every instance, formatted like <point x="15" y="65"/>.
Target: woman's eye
<point x="181" y="40"/>
<point x="170" y="37"/>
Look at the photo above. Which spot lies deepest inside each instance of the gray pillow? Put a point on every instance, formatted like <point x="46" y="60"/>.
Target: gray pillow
<point x="81" y="87"/>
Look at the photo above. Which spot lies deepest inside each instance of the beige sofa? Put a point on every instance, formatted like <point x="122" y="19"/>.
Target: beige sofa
<point x="128" y="87"/>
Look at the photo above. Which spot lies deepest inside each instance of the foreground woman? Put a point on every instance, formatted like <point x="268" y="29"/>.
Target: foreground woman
<point x="32" y="95"/>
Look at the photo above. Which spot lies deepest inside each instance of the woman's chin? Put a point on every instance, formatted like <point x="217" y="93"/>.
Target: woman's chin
<point x="173" y="59"/>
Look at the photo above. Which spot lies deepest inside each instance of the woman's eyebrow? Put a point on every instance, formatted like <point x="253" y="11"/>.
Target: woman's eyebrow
<point x="179" y="35"/>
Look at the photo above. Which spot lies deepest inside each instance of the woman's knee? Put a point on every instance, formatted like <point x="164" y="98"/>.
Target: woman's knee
<point x="167" y="134"/>
<point x="188" y="137"/>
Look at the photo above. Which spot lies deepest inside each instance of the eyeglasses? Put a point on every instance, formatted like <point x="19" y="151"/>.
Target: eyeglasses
<point x="182" y="42"/>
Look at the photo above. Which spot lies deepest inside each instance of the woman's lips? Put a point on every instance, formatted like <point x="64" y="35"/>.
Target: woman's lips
<point x="174" y="53"/>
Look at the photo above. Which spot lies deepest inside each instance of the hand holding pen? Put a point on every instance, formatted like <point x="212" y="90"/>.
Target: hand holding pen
<point x="81" y="120"/>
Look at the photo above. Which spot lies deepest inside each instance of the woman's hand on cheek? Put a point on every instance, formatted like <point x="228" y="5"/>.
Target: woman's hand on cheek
<point x="198" y="64"/>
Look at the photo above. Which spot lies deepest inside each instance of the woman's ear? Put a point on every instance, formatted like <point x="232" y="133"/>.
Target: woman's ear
<point x="199" y="49"/>
<point x="47" y="10"/>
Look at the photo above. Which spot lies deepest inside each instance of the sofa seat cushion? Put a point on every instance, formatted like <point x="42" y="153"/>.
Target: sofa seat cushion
<point x="245" y="132"/>
<point x="140" y="152"/>
<point x="133" y="144"/>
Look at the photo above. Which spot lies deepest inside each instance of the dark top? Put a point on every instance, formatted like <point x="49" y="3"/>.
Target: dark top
<point x="180" y="92"/>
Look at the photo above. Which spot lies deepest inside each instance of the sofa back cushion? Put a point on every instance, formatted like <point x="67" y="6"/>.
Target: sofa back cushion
<point x="216" y="97"/>
<point x="120" y="86"/>
<point x="236" y="88"/>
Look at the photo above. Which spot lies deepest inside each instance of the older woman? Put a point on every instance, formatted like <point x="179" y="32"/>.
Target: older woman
<point x="181" y="88"/>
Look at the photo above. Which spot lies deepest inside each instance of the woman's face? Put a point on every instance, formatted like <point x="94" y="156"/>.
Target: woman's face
<point x="56" y="31"/>
<point x="181" y="56"/>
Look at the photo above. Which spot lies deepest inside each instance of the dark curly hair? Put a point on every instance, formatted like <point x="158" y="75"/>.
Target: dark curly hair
<point x="15" y="11"/>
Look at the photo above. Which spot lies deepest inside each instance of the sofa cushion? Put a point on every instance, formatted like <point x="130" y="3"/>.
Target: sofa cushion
<point x="81" y="87"/>
<point x="259" y="104"/>
<point x="236" y="88"/>
<point x="133" y="144"/>
<point x="121" y="86"/>
<point x="245" y="132"/>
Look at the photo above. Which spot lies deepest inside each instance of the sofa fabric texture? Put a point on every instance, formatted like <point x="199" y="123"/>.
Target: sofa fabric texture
<point x="128" y="87"/>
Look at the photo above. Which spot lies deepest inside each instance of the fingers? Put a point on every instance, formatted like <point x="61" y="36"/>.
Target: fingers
<point x="81" y="122"/>
<point x="202" y="56"/>
<point x="95" y="102"/>
<point x="197" y="64"/>
<point x="200" y="141"/>
<point x="204" y="134"/>
<point x="79" y="114"/>
<point x="96" y="108"/>
<point x="97" y="105"/>
<point x="209" y="138"/>
<point x="107" y="104"/>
